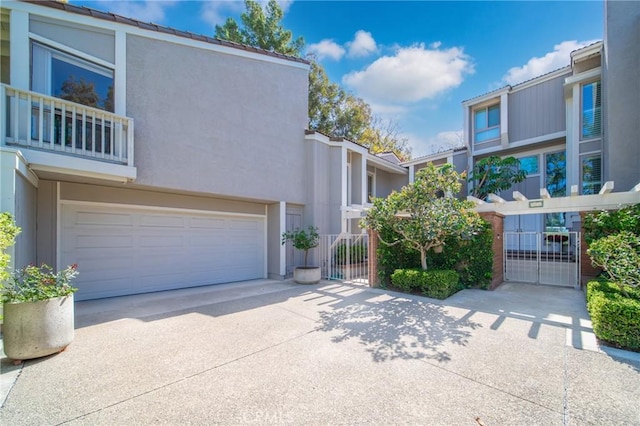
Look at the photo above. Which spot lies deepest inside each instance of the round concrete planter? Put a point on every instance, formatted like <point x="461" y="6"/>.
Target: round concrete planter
<point x="37" y="329"/>
<point x="307" y="275"/>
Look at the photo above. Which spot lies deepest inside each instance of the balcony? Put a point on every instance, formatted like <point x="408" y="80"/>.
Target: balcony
<point x="66" y="137"/>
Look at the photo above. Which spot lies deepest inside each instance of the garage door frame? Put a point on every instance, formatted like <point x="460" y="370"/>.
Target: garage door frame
<point x="160" y="209"/>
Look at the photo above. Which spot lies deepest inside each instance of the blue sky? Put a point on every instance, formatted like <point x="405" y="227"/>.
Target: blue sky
<point x="415" y="61"/>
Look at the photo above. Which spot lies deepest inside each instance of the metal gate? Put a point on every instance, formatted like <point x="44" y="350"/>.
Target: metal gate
<point x="542" y="257"/>
<point x="344" y="257"/>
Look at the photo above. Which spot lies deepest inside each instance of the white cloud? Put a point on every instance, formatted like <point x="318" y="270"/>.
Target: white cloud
<point x="412" y="74"/>
<point x="421" y="145"/>
<point x="536" y="66"/>
<point x="326" y="49"/>
<point x="147" y="11"/>
<point x="217" y="12"/>
<point x="363" y="44"/>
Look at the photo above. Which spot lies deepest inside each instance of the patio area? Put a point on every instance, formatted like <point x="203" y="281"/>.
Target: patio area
<point x="272" y="352"/>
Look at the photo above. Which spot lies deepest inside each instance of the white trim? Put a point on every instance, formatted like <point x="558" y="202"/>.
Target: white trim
<point x="504" y="119"/>
<point x="593" y="73"/>
<point x="265" y="246"/>
<point x="522" y="143"/>
<point x="364" y="177"/>
<point x="21" y="165"/>
<point x="63" y="48"/>
<point x="70" y="17"/>
<point x="159" y="208"/>
<point x="57" y="163"/>
<point x="487" y="98"/>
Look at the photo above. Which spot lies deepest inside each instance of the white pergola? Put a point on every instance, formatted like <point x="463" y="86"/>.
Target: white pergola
<point x="604" y="200"/>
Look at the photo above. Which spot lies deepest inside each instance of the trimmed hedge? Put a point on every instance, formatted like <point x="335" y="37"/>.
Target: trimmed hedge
<point x="435" y="284"/>
<point x="614" y="314"/>
<point x="472" y="259"/>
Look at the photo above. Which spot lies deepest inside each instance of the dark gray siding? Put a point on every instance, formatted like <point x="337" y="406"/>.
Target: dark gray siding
<point x="537" y="110"/>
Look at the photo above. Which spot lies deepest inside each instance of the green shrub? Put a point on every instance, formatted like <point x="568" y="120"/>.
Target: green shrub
<point x="8" y="233"/>
<point x="438" y="284"/>
<point x="604" y="223"/>
<point x="619" y="256"/>
<point x="615" y="317"/>
<point x="472" y="259"/>
<point x="357" y="253"/>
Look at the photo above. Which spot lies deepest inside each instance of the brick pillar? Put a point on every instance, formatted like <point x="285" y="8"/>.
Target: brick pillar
<point x="497" y="226"/>
<point x="373" y="258"/>
<point x="587" y="270"/>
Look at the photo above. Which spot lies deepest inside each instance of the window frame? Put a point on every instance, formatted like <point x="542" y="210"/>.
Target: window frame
<point x="590" y="156"/>
<point x="486" y="127"/>
<point x="582" y="110"/>
<point x="41" y="81"/>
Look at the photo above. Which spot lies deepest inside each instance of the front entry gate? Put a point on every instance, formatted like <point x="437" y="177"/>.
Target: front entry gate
<point x="542" y="257"/>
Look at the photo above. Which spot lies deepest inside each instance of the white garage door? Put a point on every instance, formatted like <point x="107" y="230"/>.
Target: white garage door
<point x="123" y="251"/>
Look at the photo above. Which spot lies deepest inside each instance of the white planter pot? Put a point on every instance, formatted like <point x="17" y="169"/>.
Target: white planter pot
<point x="37" y="329"/>
<point x="307" y="275"/>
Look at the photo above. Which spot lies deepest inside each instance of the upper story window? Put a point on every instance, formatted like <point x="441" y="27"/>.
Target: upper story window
<point x="591" y="110"/>
<point x="487" y="123"/>
<point x="71" y="78"/>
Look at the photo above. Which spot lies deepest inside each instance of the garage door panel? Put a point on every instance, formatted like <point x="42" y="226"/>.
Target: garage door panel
<point x="206" y="223"/>
<point x="123" y="251"/>
<point x="172" y="241"/>
<point x="103" y="241"/>
<point x="102" y="219"/>
<point x="162" y="221"/>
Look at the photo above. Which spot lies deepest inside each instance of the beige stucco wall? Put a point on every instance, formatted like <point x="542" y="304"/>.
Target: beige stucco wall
<point x="216" y="123"/>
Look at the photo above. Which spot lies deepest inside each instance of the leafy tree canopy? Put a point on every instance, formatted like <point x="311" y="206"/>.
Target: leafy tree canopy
<point x="262" y="28"/>
<point x="425" y="213"/>
<point x="494" y="174"/>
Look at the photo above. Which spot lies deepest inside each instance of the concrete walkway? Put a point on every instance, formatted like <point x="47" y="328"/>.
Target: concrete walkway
<point x="268" y="352"/>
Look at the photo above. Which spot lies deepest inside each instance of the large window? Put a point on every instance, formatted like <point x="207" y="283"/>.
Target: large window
<point x="487" y="123"/>
<point x="556" y="184"/>
<point x="591" y="174"/>
<point x="591" y="110"/>
<point x="71" y="78"/>
<point x="529" y="165"/>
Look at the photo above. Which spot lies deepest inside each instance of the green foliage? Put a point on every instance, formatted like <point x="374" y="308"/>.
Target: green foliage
<point x="262" y="28"/>
<point x="619" y="256"/>
<point x="303" y="240"/>
<point x="33" y="283"/>
<point x="494" y="174"/>
<point x="604" y="223"/>
<point x="472" y="259"/>
<point x="435" y="284"/>
<point x="8" y="233"/>
<point x="425" y="214"/>
<point x="614" y="314"/>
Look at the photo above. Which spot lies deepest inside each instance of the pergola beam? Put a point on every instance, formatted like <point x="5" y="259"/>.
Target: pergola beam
<point x="605" y="200"/>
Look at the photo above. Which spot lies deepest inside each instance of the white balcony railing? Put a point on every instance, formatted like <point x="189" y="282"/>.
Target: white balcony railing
<point x="43" y="122"/>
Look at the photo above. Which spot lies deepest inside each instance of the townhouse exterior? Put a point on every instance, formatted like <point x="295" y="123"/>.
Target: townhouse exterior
<point x="574" y="128"/>
<point x="157" y="159"/>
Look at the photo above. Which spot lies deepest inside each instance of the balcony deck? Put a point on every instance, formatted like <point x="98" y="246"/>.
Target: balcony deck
<point x="47" y="125"/>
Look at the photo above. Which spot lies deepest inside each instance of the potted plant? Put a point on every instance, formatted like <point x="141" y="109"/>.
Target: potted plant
<point x="304" y="240"/>
<point x="38" y="311"/>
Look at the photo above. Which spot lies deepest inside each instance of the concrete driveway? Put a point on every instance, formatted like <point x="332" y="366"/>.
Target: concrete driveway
<point x="268" y="352"/>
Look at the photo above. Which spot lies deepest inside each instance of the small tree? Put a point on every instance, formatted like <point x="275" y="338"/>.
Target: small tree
<point x="8" y="233"/>
<point x="303" y="240"/>
<point x="425" y="213"/>
<point x="619" y="256"/>
<point x="494" y="174"/>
